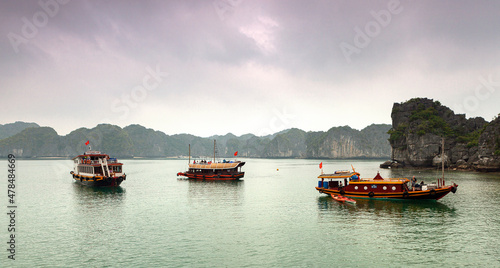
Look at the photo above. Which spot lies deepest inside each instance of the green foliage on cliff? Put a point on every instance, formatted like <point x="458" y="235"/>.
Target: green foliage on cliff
<point x="314" y="140"/>
<point x="429" y="121"/>
<point x="471" y="139"/>
<point x="497" y="146"/>
<point x="289" y="144"/>
<point x="398" y="133"/>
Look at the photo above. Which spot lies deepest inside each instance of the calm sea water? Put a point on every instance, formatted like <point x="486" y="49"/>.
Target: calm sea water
<point x="273" y="218"/>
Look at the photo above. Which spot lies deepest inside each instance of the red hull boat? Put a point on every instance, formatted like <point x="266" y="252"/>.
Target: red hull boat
<point x="211" y="170"/>
<point x="349" y="184"/>
<point x="214" y="171"/>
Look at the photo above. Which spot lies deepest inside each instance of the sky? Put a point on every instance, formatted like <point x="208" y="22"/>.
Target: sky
<point x="239" y="66"/>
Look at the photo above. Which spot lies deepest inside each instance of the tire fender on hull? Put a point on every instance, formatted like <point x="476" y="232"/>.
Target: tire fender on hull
<point x="432" y="192"/>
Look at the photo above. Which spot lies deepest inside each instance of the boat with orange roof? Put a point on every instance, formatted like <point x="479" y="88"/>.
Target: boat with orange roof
<point x="350" y="184"/>
<point x="212" y="170"/>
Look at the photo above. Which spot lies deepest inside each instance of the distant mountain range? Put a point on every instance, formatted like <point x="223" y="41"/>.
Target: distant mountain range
<point x="30" y="140"/>
<point x="12" y="129"/>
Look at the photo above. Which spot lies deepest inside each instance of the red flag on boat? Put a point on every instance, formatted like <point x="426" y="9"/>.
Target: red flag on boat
<point x="236" y="153"/>
<point x="321" y="165"/>
<point x="87" y="143"/>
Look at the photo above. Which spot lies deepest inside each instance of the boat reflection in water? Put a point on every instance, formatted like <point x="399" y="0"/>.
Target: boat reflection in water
<point x="393" y="207"/>
<point x="216" y="192"/>
<point x="98" y="194"/>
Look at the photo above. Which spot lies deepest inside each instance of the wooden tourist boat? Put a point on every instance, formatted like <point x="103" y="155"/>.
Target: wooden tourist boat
<point x="350" y="184"/>
<point x="212" y="170"/>
<point x="94" y="168"/>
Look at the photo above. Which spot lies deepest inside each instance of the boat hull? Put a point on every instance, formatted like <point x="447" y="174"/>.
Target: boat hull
<point x="99" y="181"/>
<point x="434" y="194"/>
<point x="218" y="177"/>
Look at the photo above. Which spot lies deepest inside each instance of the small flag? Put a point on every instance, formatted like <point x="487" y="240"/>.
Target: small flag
<point x="321" y="165"/>
<point x="236" y="153"/>
<point x="87" y="143"/>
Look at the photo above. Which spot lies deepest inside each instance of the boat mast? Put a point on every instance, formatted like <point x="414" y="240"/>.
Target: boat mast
<point x="189" y="161"/>
<point x="442" y="161"/>
<point x="214" y="151"/>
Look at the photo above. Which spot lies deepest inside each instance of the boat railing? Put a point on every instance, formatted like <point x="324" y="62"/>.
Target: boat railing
<point x="89" y="162"/>
<point x="388" y="179"/>
<point x="97" y="162"/>
<point x="210" y="162"/>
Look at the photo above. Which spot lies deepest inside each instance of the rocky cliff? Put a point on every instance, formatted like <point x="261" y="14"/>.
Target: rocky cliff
<point x="419" y="125"/>
<point x="345" y="142"/>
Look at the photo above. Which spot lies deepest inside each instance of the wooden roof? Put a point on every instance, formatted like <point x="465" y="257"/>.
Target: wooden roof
<point x="339" y="175"/>
<point x="215" y="165"/>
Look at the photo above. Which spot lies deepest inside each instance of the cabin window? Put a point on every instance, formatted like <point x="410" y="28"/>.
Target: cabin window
<point x="355" y="187"/>
<point x="333" y="184"/>
<point x="366" y="188"/>
<point x="394" y="188"/>
<point x="385" y="188"/>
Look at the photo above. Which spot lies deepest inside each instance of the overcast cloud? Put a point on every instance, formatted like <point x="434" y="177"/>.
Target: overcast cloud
<point x="239" y="66"/>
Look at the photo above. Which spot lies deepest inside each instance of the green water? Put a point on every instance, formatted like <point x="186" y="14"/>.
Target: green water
<point x="273" y="218"/>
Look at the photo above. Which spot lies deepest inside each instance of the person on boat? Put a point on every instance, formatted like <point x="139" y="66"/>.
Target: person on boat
<point x="413" y="183"/>
<point x="405" y="187"/>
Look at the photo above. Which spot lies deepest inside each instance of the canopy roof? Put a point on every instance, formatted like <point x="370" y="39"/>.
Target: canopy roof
<point x="216" y="165"/>
<point x="91" y="153"/>
<point x="341" y="174"/>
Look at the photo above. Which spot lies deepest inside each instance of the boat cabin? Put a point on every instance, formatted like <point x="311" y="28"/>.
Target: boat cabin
<point x="95" y="163"/>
